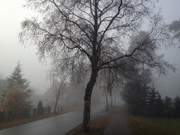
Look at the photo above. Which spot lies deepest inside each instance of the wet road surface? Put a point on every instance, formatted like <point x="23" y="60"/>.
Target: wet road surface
<point x="58" y="125"/>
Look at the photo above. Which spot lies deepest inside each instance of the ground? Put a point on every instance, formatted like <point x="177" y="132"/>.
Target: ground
<point x="117" y="122"/>
<point x="58" y="125"/>
<point x="97" y="127"/>
<point x="17" y="122"/>
<point x="154" y="126"/>
<point x="107" y="124"/>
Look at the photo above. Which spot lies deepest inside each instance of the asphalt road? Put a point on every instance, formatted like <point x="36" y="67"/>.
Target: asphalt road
<point x="58" y="125"/>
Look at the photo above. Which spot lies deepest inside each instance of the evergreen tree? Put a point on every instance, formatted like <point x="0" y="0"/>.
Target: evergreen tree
<point x="154" y="103"/>
<point x="159" y="105"/>
<point x="17" y="94"/>
<point x="136" y="91"/>
<point x="168" y="107"/>
<point x="177" y="106"/>
<point x="3" y="86"/>
<point x="16" y="79"/>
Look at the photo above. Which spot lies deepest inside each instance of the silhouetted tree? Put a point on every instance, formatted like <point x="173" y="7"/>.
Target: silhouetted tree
<point x="92" y="32"/>
<point x="3" y="85"/>
<point x="107" y="81"/>
<point x="177" y="106"/>
<point x="34" y="112"/>
<point x="135" y="98"/>
<point x="168" y="107"/>
<point x="49" y="109"/>
<point x="154" y="103"/>
<point x="136" y="90"/>
<point x="40" y="108"/>
<point x="57" y="91"/>
<point x="175" y="28"/>
<point x="3" y="88"/>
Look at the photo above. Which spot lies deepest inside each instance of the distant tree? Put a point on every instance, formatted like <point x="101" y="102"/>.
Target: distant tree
<point x="107" y="81"/>
<point x="3" y="85"/>
<point x="154" y="103"/>
<point x="40" y="108"/>
<point x="175" y="28"/>
<point x="177" y="106"/>
<point x="139" y="88"/>
<point x="168" y="107"/>
<point x="136" y="91"/>
<point x="57" y="99"/>
<point x="58" y="82"/>
<point x="159" y="105"/>
<point x="92" y="32"/>
<point x="17" y="96"/>
<point x="34" y="112"/>
<point x="49" y="109"/>
<point x="16" y="79"/>
<point x="58" y="94"/>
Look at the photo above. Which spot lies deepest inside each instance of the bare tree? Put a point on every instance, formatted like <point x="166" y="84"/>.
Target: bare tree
<point x="90" y="32"/>
<point x="107" y="80"/>
<point x="57" y="92"/>
<point x="175" y="28"/>
<point x="58" y="85"/>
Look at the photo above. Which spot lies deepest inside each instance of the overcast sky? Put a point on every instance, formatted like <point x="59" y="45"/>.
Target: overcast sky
<point x="12" y="14"/>
<point x="12" y="51"/>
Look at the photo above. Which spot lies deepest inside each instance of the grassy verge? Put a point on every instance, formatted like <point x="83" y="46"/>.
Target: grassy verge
<point x="97" y="127"/>
<point x="148" y="126"/>
<point x="137" y="126"/>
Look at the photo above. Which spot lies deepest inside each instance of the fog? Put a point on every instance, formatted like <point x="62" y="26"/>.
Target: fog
<point x="12" y="13"/>
<point x="90" y="71"/>
<point x="169" y="84"/>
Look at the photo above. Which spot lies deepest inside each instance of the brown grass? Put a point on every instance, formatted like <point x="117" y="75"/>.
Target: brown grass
<point x="137" y="125"/>
<point x="97" y="127"/>
<point x="148" y="126"/>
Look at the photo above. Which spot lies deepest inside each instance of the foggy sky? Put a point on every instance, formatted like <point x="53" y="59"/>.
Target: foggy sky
<point x="12" y="14"/>
<point x="12" y="51"/>
<point x="170" y="84"/>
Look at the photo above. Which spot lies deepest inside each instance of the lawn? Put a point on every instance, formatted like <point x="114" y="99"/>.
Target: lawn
<point x="149" y="126"/>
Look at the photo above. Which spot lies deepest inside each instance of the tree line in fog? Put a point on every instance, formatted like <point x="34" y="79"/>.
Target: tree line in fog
<point x="142" y="98"/>
<point x="15" y="98"/>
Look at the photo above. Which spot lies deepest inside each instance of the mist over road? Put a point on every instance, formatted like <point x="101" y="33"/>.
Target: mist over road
<point x="58" y="125"/>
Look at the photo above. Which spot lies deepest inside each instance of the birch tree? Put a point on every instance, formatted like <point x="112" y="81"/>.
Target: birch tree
<point x="94" y="33"/>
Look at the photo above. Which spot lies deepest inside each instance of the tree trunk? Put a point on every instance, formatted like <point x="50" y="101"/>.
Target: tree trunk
<point x="87" y="101"/>
<point x="111" y="97"/>
<point x="57" y="99"/>
<point x="107" y="101"/>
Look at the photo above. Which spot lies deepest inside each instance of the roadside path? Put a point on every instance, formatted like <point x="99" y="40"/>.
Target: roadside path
<point x="119" y="123"/>
<point x="58" y="125"/>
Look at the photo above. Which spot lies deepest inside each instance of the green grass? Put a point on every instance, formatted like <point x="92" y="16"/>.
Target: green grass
<point x="148" y="126"/>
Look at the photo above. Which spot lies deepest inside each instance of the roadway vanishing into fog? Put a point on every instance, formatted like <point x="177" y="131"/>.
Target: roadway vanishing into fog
<point x="58" y="125"/>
